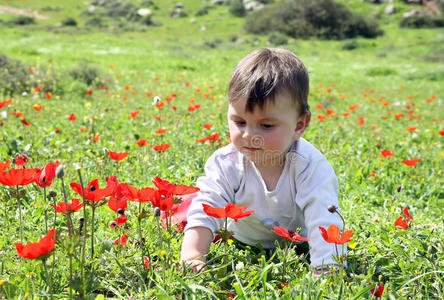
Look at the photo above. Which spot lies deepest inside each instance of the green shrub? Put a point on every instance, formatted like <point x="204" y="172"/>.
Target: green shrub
<point x="94" y="22"/>
<point x="203" y="10"/>
<point x="16" y="78"/>
<point x="277" y="39"/>
<point x="146" y="20"/>
<point x="324" y="19"/>
<point x="422" y="22"/>
<point x="69" y="22"/>
<point x="237" y="8"/>
<point x="349" y="45"/>
<point x="380" y="71"/>
<point x="86" y="73"/>
<point x="21" y="20"/>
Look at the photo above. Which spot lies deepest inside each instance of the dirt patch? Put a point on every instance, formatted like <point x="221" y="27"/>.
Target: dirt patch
<point x="18" y="11"/>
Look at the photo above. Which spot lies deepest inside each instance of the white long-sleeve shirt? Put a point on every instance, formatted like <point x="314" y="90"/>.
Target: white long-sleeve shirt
<point x="306" y="187"/>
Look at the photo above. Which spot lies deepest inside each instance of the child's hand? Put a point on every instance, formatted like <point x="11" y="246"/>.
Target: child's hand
<point x="323" y="271"/>
<point x="196" y="265"/>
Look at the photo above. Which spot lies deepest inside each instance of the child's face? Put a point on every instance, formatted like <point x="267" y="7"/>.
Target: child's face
<point x="265" y="136"/>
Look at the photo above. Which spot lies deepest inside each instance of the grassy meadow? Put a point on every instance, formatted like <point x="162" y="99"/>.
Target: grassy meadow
<point x="366" y="96"/>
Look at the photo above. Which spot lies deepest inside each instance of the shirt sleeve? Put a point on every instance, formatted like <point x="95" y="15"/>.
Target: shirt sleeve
<point x="217" y="188"/>
<point x="317" y="188"/>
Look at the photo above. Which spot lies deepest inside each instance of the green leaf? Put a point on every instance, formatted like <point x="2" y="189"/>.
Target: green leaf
<point x="363" y="291"/>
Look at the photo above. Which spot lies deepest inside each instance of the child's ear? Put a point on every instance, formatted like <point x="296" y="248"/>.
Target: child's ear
<point x="301" y="125"/>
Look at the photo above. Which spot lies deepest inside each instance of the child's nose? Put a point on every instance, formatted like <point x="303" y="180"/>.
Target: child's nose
<point x="248" y="132"/>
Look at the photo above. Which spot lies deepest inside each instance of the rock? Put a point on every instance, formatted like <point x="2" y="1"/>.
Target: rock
<point x="220" y="2"/>
<point x="375" y="1"/>
<point x="178" y="13"/>
<point x="179" y="5"/>
<point x="433" y="7"/>
<point x="416" y="2"/>
<point x="389" y="9"/>
<point x="143" y="12"/>
<point x="413" y="13"/>
<point x="253" y="6"/>
<point x="91" y="9"/>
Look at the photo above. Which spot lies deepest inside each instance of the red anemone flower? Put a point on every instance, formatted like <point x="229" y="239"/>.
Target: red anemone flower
<point x="289" y="235"/>
<point x="180" y="189"/>
<point x="4" y="166"/>
<point x="212" y="137"/>
<point x="207" y="126"/>
<point x="72" y="117"/>
<point x="141" y="142"/>
<point x="18" y="177"/>
<point x="119" y="221"/>
<point x="161" y="131"/>
<point x="117" y="155"/>
<point x="162" y="147"/>
<point x="75" y="205"/>
<point x="45" y="176"/>
<point x="404" y="222"/>
<point x="122" y="193"/>
<point x="386" y="153"/>
<point x="134" y="114"/>
<point x="333" y="235"/>
<point x="179" y="213"/>
<point x="26" y="122"/>
<point x="121" y="240"/>
<point x="232" y="211"/>
<point x="410" y="162"/>
<point x="38" y="249"/>
<point x="163" y="197"/>
<point x="20" y="160"/>
<point x="146" y="262"/>
<point x="377" y="290"/>
<point x="92" y="191"/>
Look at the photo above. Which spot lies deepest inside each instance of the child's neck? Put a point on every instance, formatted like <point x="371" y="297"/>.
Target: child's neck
<point x="271" y="174"/>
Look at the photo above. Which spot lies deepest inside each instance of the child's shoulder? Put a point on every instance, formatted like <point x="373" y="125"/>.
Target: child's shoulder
<point x="228" y="150"/>
<point x="304" y="150"/>
<point x="228" y="155"/>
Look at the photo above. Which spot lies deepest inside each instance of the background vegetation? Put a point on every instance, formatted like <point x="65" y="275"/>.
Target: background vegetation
<point x="73" y="51"/>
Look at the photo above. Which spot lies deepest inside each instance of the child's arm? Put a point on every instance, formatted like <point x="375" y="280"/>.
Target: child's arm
<point x="195" y="245"/>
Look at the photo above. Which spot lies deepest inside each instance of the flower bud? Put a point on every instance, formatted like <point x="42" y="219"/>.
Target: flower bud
<point x="113" y="224"/>
<point x="332" y="208"/>
<point x="59" y="171"/>
<point x="399" y="188"/>
<point x="157" y="212"/>
<point x="52" y="193"/>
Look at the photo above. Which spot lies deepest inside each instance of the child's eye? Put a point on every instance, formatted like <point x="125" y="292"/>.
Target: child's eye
<point x="267" y="126"/>
<point x="239" y="123"/>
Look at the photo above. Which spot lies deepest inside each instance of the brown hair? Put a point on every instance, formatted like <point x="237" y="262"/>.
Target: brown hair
<point x="264" y="73"/>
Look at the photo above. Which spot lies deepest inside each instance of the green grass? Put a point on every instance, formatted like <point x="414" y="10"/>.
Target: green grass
<point x="403" y="66"/>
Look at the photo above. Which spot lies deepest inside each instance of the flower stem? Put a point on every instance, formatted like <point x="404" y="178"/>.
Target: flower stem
<point x="44" y="208"/>
<point x="48" y="278"/>
<point x="284" y="262"/>
<point x="92" y="231"/>
<point x="343" y="221"/>
<point x="20" y="214"/>
<point x="68" y="216"/>
<point x="82" y="263"/>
